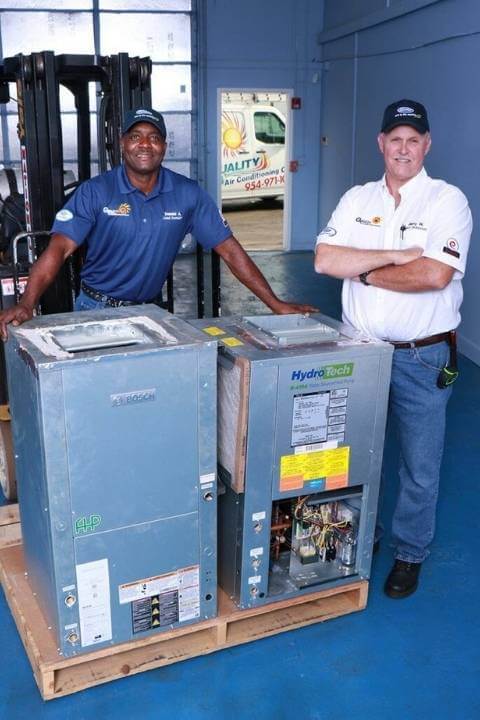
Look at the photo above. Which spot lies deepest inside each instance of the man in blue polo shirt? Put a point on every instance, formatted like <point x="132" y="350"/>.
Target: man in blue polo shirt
<point x="132" y="220"/>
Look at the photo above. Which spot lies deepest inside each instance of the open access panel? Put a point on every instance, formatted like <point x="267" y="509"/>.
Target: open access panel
<point x="114" y="428"/>
<point x="302" y="405"/>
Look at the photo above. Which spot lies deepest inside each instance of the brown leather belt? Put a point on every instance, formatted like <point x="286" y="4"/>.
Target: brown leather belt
<point x="432" y="340"/>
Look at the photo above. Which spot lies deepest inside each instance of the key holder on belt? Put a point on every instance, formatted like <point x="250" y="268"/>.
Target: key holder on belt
<point x="449" y="373"/>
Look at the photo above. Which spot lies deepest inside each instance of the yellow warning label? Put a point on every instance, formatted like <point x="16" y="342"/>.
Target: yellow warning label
<point x="231" y="341"/>
<point x="212" y="330"/>
<point x="328" y="465"/>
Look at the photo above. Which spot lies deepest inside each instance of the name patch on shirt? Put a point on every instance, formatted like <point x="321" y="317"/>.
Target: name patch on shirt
<point x="416" y="226"/>
<point x="176" y="215"/>
<point x="375" y="221"/>
<point x="121" y="211"/>
<point x="451" y="248"/>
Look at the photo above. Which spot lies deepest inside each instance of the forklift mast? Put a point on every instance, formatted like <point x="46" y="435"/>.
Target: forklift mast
<point x="124" y="83"/>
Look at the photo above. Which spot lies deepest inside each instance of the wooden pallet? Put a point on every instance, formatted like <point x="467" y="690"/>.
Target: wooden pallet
<point x="58" y="676"/>
<point x="10" y="529"/>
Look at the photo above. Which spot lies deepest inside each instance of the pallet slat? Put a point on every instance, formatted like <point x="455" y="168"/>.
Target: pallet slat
<point x="57" y="676"/>
<point x="10" y="528"/>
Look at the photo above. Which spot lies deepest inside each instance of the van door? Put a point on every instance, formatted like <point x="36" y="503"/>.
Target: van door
<point x="253" y="152"/>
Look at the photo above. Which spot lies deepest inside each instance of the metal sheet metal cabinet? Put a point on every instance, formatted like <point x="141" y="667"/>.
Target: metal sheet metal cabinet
<point x="114" y="417"/>
<point x="302" y="411"/>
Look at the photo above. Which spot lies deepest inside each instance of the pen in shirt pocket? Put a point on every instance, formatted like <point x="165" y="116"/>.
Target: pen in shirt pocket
<point x="402" y="230"/>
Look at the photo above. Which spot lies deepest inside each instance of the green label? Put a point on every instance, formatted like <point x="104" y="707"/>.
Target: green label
<point x="327" y="372"/>
<point x="85" y="525"/>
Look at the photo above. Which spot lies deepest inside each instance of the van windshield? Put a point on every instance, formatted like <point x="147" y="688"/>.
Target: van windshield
<point x="269" y="128"/>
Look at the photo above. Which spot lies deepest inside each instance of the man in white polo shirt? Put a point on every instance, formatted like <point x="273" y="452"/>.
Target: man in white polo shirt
<point x="400" y="244"/>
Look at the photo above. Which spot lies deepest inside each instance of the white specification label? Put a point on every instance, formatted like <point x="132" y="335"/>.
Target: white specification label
<point x="255" y="552"/>
<point x="94" y="602"/>
<point x="301" y="449"/>
<point x="189" y="594"/>
<point x="338" y="402"/>
<point x="338" y="436"/>
<point x="310" y="418"/>
<point x="337" y="411"/>
<point x="185" y="582"/>
<point x="259" y="516"/>
<point x="207" y="478"/>
<point x="339" y="392"/>
<point x="337" y="419"/>
<point x="254" y="580"/>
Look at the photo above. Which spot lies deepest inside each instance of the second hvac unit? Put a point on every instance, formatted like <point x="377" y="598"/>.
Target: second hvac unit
<point x="302" y="410"/>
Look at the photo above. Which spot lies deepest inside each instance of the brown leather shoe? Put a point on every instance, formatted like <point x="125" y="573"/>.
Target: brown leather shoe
<point x="403" y="579"/>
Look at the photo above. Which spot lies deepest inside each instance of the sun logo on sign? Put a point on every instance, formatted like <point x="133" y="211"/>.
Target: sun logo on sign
<point x="234" y="135"/>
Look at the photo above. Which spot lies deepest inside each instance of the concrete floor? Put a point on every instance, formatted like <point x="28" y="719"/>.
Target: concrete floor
<point x="257" y="225"/>
<point x="291" y="276"/>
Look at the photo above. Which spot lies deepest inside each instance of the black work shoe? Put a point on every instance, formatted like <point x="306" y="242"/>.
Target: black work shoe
<point x="403" y="579"/>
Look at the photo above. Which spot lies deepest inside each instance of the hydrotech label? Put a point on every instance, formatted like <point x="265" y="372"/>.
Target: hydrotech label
<point x="327" y="372"/>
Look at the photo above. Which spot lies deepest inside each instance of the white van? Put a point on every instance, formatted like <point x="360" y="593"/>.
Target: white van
<point x="252" y="148"/>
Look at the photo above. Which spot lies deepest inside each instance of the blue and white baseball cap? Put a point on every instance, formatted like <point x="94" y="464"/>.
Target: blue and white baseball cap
<point x="144" y="114"/>
<point x="405" y="112"/>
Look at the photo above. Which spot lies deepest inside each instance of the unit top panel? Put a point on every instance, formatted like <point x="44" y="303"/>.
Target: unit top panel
<point x="84" y="335"/>
<point x="293" y="329"/>
<point x="271" y="337"/>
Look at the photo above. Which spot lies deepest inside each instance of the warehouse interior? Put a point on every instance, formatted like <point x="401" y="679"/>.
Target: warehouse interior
<point x="338" y="64"/>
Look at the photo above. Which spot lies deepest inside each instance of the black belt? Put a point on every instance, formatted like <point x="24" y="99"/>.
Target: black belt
<point x="422" y="342"/>
<point x="102" y="297"/>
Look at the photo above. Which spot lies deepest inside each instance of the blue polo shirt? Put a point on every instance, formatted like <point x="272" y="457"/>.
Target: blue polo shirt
<point x="132" y="239"/>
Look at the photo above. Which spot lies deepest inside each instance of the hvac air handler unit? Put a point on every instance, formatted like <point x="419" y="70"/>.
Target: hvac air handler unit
<point x="302" y="407"/>
<point x="114" y="418"/>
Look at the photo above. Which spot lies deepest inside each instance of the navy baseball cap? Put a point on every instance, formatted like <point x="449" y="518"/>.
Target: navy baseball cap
<point x="145" y="114"/>
<point x="405" y="112"/>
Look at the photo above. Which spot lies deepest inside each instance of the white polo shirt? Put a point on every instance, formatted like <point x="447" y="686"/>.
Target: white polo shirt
<point x="432" y="215"/>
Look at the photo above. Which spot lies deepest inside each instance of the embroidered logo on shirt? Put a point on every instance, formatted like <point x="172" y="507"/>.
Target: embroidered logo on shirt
<point x="328" y="231"/>
<point x="451" y="248"/>
<point x="376" y="220"/>
<point x="64" y="215"/>
<point x="176" y="215"/>
<point x="122" y="211"/>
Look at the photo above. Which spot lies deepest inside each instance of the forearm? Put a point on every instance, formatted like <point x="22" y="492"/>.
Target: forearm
<point x="245" y="270"/>
<point x="347" y="262"/>
<point x="419" y="275"/>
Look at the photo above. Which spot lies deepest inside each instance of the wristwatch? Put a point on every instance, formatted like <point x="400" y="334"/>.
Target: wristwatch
<point x="363" y="277"/>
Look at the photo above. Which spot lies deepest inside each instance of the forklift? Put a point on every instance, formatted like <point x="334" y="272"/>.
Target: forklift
<point x="31" y="195"/>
